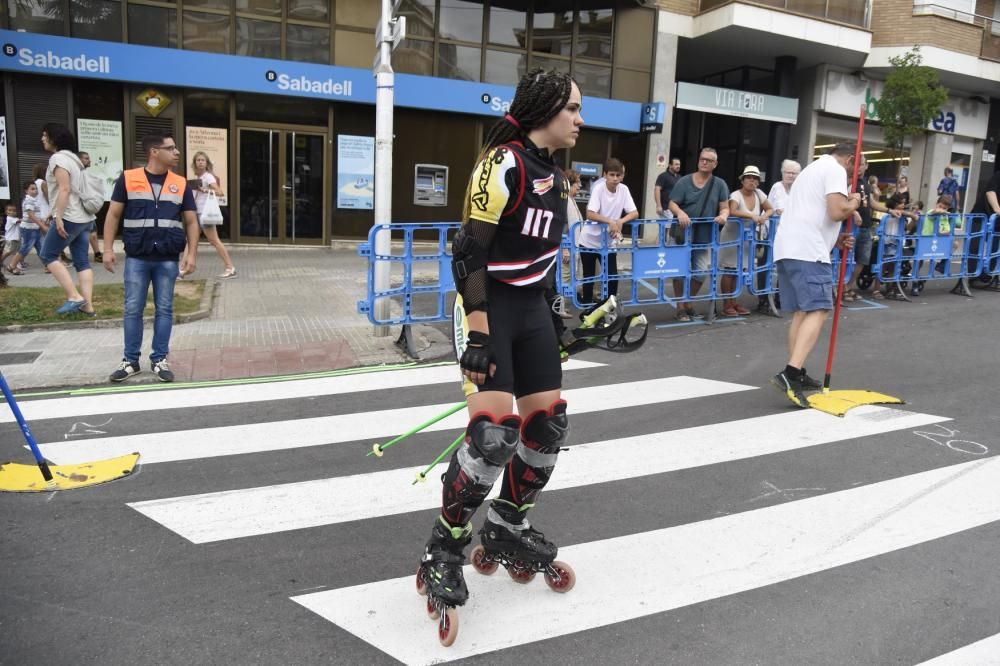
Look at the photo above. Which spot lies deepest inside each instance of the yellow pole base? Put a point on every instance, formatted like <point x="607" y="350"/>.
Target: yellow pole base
<point x="22" y="478"/>
<point x="839" y="403"/>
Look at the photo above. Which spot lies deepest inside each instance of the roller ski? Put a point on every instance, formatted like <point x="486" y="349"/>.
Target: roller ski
<point x="521" y="549"/>
<point x="605" y="326"/>
<point x="440" y="578"/>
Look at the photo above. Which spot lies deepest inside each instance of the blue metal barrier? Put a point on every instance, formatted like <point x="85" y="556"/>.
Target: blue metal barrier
<point x="934" y="247"/>
<point x="646" y="266"/>
<point x="420" y="280"/>
<point x="992" y="247"/>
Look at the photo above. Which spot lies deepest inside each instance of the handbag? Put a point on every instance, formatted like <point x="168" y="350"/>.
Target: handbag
<point x="211" y="214"/>
<point x="676" y="230"/>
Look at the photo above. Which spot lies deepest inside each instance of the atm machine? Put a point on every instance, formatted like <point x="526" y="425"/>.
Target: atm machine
<point x="590" y="172"/>
<point x="430" y="185"/>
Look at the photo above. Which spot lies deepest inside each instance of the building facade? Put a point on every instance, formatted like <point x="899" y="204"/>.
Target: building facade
<point x="280" y="95"/>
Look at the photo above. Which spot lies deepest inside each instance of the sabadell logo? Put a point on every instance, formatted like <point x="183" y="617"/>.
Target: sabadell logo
<point x="305" y="84"/>
<point x="53" y="61"/>
<point x="496" y="102"/>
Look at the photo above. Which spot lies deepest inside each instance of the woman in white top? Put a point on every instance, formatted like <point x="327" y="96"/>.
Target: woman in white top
<point x="778" y="196"/>
<point x="71" y="224"/>
<point x="203" y="168"/>
<point x="747" y="203"/>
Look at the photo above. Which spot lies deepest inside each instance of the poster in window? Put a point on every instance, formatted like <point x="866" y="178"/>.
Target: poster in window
<point x="208" y="153"/>
<point x="4" y="171"/>
<point x="356" y="172"/>
<point x="101" y="140"/>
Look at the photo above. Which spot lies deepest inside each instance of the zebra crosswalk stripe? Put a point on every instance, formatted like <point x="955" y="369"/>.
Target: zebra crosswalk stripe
<point x="254" y="511"/>
<point x="981" y="653"/>
<point x="628" y="577"/>
<point x="282" y="435"/>
<point x="122" y="403"/>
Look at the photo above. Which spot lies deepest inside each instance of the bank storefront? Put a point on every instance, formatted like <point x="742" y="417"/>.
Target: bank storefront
<point x="291" y="142"/>
<point x="954" y="139"/>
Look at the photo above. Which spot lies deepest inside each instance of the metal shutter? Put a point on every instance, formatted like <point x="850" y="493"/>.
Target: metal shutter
<point x="145" y="125"/>
<point x="38" y="100"/>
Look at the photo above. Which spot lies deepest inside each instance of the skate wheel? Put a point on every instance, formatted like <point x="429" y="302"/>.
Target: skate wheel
<point x="421" y="585"/>
<point x="567" y="578"/>
<point x="432" y="609"/>
<point x="476" y="557"/>
<point x="448" y="627"/>
<point x="522" y="576"/>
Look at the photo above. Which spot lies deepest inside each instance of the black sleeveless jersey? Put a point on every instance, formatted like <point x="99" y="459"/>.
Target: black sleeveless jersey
<point x="521" y="190"/>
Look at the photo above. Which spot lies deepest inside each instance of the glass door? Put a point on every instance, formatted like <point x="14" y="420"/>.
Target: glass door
<point x="281" y="197"/>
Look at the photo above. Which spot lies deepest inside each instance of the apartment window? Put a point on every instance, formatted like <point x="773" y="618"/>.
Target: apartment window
<point x="152" y="26"/>
<point x="594" y="80"/>
<point x="459" y="62"/>
<point x="508" y="27"/>
<point x="307" y="44"/>
<point x="208" y="4"/>
<point x="309" y="10"/>
<point x="461" y="20"/>
<point x="42" y="16"/>
<point x="594" y="40"/>
<point x="100" y="19"/>
<point x="262" y="7"/>
<point x="419" y="17"/>
<point x="545" y="62"/>
<point x="261" y="39"/>
<point x="206" y="32"/>
<point x="960" y="10"/>
<point x="414" y="56"/>
<point x="504" y="67"/>
<point x="552" y="32"/>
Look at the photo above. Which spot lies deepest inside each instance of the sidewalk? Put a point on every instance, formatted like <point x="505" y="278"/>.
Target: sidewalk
<point x="290" y="310"/>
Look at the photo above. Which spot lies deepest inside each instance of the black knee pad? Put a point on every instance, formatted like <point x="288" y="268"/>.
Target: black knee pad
<point x="489" y="445"/>
<point x="542" y="436"/>
<point x="547" y="429"/>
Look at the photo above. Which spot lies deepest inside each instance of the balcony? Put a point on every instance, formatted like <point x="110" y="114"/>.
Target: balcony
<point x="989" y="48"/>
<point x="849" y="12"/>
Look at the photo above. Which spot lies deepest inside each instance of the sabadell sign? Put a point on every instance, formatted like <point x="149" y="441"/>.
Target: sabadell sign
<point x="845" y="93"/>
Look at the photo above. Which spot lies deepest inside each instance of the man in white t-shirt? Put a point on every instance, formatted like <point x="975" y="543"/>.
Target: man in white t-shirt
<point x="808" y="232"/>
<point x="610" y="206"/>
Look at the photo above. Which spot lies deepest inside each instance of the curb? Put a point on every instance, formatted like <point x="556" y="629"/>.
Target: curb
<point x="204" y="311"/>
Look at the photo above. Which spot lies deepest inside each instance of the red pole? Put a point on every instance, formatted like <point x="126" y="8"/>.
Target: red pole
<point x="843" y="256"/>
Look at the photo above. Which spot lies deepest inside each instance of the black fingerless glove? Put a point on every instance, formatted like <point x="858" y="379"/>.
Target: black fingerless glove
<point x="477" y="354"/>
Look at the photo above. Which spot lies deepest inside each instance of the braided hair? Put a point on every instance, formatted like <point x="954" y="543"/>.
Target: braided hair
<point x="540" y="96"/>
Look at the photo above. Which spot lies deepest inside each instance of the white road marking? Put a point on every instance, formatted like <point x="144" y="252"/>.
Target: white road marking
<point x="371" y="426"/>
<point x="981" y="653"/>
<point x="253" y="511"/>
<point x="643" y="574"/>
<point x="119" y="403"/>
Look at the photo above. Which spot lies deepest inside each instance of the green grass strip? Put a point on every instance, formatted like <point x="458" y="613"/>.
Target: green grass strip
<point x="99" y="390"/>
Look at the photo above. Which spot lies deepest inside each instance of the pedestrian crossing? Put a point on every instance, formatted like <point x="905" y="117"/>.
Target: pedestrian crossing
<point x="666" y="568"/>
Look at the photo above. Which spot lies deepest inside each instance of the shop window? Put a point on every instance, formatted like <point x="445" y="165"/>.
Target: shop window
<point x="209" y="4"/>
<point x="508" y="27"/>
<point x="414" y="56"/>
<point x="277" y="109"/>
<point x="99" y="19"/>
<point x="594" y="34"/>
<point x="100" y="100"/>
<point x="47" y="17"/>
<point x="206" y="109"/>
<point x="152" y="26"/>
<point x="359" y="14"/>
<point x="630" y="85"/>
<point x="354" y="49"/>
<point x="545" y="62"/>
<point x="634" y="31"/>
<point x="459" y="62"/>
<point x="261" y="39"/>
<point x="306" y="44"/>
<point x="591" y="146"/>
<point x="594" y="80"/>
<point x="419" y="17"/>
<point x="461" y="20"/>
<point x="262" y="7"/>
<point x="552" y="32"/>
<point x="309" y="10"/>
<point x="206" y="32"/>
<point x="504" y="67"/>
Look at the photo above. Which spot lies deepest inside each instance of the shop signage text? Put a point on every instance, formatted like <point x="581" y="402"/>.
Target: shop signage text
<point x="728" y="102"/>
<point x="149" y="65"/>
<point x="845" y="92"/>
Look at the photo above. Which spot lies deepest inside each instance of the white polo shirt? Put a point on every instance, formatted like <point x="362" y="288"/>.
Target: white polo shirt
<point x="806" y="232"/>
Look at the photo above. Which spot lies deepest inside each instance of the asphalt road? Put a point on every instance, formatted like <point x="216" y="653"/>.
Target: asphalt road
<point x="753" y="535"/>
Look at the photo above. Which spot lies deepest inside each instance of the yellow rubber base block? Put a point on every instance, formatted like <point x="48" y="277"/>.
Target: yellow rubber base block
<point x="839" y="403"/>
<point x="21" y="478"/>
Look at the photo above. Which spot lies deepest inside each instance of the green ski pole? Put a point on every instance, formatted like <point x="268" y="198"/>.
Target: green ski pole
<point x="422" y="476"/>
<point x="378" y="449"/>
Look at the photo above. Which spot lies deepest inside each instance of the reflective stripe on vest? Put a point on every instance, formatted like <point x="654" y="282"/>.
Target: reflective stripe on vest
<point x="148" y="223"/>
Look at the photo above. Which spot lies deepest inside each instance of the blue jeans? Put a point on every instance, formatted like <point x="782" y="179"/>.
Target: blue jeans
<point x="31" y="238"/>
<point x="77" y="240"/>
<point x="139" y="273"/>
